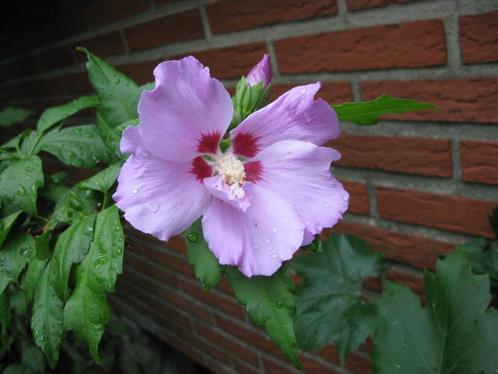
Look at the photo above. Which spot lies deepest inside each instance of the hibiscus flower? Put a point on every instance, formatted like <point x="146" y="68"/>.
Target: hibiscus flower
<point x="262" y="198"/>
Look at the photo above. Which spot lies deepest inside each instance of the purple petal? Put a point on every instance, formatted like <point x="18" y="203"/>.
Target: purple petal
<point x="293" y="116"/>
<point x="257" y="241"/>
<point x="159" y="197"/>
<point x="299" y="172"/>
<point x="261" y="72"/>
<point x="186" y="113"/>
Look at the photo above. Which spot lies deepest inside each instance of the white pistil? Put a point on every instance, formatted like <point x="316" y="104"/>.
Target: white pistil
<point x="232" y="171"/>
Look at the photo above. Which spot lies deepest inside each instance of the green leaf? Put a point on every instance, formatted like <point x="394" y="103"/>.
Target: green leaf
<point x="483" y="258"/>
<point x="102" y="181"/>
<point x="87" y="311"/>
<point x="10" y="116"/>
<point x="47" y="319"/>
<point x="206" y="266"/>
<point x="493" y="221"/>
<point x="6" y="224"/>
<point x="270" y="303"/>
<point x="5" y="316"/>
<point x="19" y="184"/>
<point x="369" y="112"/>
<point x="13" y="258"/>
<point x="455" y="333"/>
<point x="52" y="116"/>
<point x="36" y="264"/>
<point x="118" y="95"/>
<point x="79" y="146"/>
<point x="32" y="359"/>
<point x="329" y="304"/>
<point x="74" y="205"/>
<point x="110" y="136"/>
<point x="71" y="248"/>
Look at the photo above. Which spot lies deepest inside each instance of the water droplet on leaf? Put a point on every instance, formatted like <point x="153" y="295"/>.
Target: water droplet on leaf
<point x="192" y="237"/>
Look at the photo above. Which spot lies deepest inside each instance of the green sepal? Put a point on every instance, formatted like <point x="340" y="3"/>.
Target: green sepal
<point x="247" y="99"/>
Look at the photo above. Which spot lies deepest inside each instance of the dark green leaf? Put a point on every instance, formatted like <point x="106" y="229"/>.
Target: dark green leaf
<point x="103" y="180"/>
<point x="6" y="224"/>
<point x="454" y="334"/>
<point x="493" y="221"/>
<point x="14" y="256"/>
<point x="36" y="264"/>
<point x="270" y="303"/>
<point x="10" y="116"/>
<point x="110" y="136"/>
<point x="79" y="146"/>
<point x="32" y="359"/>
<point x="118" y="95"/>
<point x="369" y="112"/>
<point x="5" y="316"/>
<point x="19" y="184"/>
<point x="74" y="205"/>
<point x="483" y="258"/>
<point x="206" y="266"/>
<point x="87" y="311"/>
<point x="52" y="116"/>
<point x="71" y="248"/>
<point x="30" y="144"/>
<point x="329" y="304"/>
<point x="47" y="319"/>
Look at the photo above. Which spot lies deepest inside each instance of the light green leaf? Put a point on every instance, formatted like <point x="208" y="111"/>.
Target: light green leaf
<point x="455" y="333"/>
<point x="10" y="116"/>
<point x="329" y="306"/>
<point x="369" y="112"/>
<point x="206" y="266"/>
<point x="52" y="116"/>
<point x="6" y="224"/>
<point x="13" y="257"/>
<point x="47" y="319"/>
<point x="118" y="95"/>
<point x="110" y="136"/>
<point x="19" y="184"/>
<point x="87" y="311"/>
<point x="74" y="205"/>
<point x="102" y="181"/>
<point x="79" y="146"/>
<point x="71" y="248"/>
<point x="270" y="303"/>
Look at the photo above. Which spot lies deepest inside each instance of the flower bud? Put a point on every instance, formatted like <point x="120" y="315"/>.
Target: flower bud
<point x="261" y="72"/>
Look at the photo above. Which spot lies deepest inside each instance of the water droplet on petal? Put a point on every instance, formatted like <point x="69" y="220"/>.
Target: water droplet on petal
<point x="152" y="206"/>
<point x="268" y="241"/>
<point x="145" y="154"/>
<point x="274" y="229"/>
<point x="345" y="197"/>
<point x="135" y="190"/>
<point x="274" y="255"/>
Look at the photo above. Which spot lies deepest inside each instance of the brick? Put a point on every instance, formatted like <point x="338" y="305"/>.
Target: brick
<point x="153" y="271"/>
<point x="230" y="16"/>
<point x="140" y="72"/>
<point x="55" y="58"/>
<point x="479" y="161"/>
<point x="457" y="100"/>
<point x="415" y="283"/>
<point x="330" y="354"/>
<point x="187" y="349"/>
<point x="77" y="83"/>
<point x="231" y="62"/>
<point x="274" y="367"/>
<point x="105" y="45"/>
<point x="244" y="368"/>
<point x="446" y="212"/>
<point x="177" y="243"/>
<point x="414" y="250"/>
<point x="310" y="366"/>
<point x="407" y="155"/>
<point x="36" y="89"/>
<point x="368" y="4"/>
<point x="406" y="45"/>
<point x="359" y="364"/>
<point x="21" y="67"/>
<point x="211" y="298"/>
<point x="331" y="92"/>
<point x="229" y="345"/>
<point x="358" y="202"/>
<point x="479" y="38"/>
<point x="171" y="29"/>
<point x="103" y="12"/>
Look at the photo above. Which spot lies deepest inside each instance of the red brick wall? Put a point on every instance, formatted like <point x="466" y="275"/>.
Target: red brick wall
<point x="420" y="182"/>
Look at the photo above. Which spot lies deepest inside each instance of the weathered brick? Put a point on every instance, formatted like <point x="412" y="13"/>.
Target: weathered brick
<point x="154" y="271"/>
<point x="406" y="45"/>
<point x="77" y="83"/>
<point x="231" y="62"/>
<point x="55" y="58"/>
<point x="446" y="212"/>
<point x="314" y="367"/>
<point x="230" y="16"/>
<point x="330" y="353"/>
<point x="359" y="364"/>
<point x="331" y="92"/>
<point x="105" y="45"/>
<point x="414" y="250"/>
<point x="37" y="89"/>
<point x="104" y="12"/>
<point x="479" y="38"/>
<point x="170" y="29"/>
<point x="367" y="4"/>
<point x="457" y="100"/>
<point x="358" y="202"/>
<point x="276" y="367"/>
<point x="140" y="72"/>
<point x="479" y="161"/>
<point x="414" y="282"/>
<point x="21" y="67"/>
<point x="399" y="154"/>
